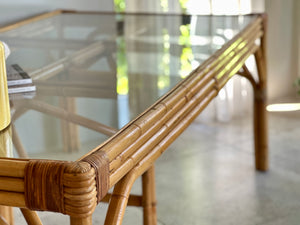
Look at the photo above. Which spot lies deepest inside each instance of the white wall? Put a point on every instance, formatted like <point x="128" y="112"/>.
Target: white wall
<point x="282" y="47"/>
<point x="297" y="36"/>
<point x="257" y="6"/>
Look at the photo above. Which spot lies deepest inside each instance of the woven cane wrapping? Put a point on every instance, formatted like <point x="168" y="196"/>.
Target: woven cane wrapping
<point x="44" y="185"/>
<point x="100" y="163"/>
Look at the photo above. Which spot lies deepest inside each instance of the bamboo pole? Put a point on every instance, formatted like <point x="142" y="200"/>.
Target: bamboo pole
<point x="119" y="199"/>
<point x="247" y="74"/>
<point x="70" y="134"/>
<point x="260" y="101"/>
<point x="6" y="215"/>
<point x="149" y="197"/>
<point x="74" y="118"/>
<point x="31" y="217"/>
<point x="260" y="117"/>
<point x="133" y="200"/>
<point x="115" y="177"/>
<point x="18" y="143"/>
<point x="12" y="168"/>
<point x="3" y="221"/>
<point x="12" y="199"/>
<point x="153" y="140"/>
<point x="240" y="61"/>
<point x="12" y="184"/>
<point x="81" y="221"/>
<point x="122" y="189"/>
<point x="30" y="20"/>
<point x="78" y="58"/>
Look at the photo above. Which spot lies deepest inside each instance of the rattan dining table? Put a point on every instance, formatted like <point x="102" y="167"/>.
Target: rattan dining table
<point x="113" y="91"/>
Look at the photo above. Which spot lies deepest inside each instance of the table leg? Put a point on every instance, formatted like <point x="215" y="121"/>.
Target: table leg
<point x="69" y="130"/>
<point x="260" y="134"/>
<point x="6" y="215"/>
<point x="81" y="221"/>
<point x="18" y="144"/>
<point x="149" y="197"/>
<point x="31" y="217"/>
<point x="260" y="114"/>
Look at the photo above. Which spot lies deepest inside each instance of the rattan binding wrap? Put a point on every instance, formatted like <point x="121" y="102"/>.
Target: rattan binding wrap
<point x="100" y="163"/>
<point x="44" y="185"/>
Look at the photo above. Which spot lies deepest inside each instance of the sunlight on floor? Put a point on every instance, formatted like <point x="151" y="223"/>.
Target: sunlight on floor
<point x="283" y="107"/>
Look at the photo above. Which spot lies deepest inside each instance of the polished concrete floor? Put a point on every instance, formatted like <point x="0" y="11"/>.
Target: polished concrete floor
<point x="207" y="177"/>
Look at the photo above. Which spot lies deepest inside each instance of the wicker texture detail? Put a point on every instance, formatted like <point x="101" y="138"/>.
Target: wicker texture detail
<point x="79" y="189"/>
<point x="100" y="163"/>
<point x="44" y="185"/>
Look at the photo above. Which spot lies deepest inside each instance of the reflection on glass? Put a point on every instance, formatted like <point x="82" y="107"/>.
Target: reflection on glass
<point x="122" y="73"/>
<point x="164" y="77"/>
<point x="197" y="6"/>
<point x="186" y="56"/>
<point x="183" y="5"/>
<point x="165" y="5"/>
<point x="122" y="68"/>
<point x="120" y="5"/>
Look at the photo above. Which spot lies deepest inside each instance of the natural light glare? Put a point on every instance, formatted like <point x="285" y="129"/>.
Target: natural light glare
<point x="245" y="6"/>
<point x="228" y="7"/>
<point x="198" y="7"/>
<point x="228" y="33"/>
<point x="218" y="40"/>
<point x="284" y="107"/>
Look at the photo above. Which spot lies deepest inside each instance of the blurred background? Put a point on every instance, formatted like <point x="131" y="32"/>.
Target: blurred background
<point x="283" y="30"/>
<point x="283" y="39"/>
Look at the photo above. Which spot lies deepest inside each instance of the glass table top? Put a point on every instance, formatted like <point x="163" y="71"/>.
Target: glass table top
<point x="94" y="73"/>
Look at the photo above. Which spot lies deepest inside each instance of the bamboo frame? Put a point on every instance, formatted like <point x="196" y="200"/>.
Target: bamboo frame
<point x="149" y="197"/>
<point x="133" y="150"/>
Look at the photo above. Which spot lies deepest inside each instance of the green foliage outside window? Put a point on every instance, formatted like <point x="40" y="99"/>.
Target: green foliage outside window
<point x="164" y="77"/>
<point x="187" y="55"/>
<point x="120" y="5"/>
<point x="183" y="5"/>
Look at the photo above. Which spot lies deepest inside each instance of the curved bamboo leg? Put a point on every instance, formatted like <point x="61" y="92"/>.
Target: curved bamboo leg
<point x="81" y="221"/>
<point x="149" y="197"/>
<point x="121" y="193"/>
<point x="31" y="217"/>
<point x="119" y="199"/>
